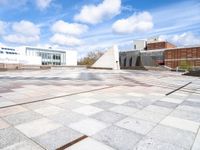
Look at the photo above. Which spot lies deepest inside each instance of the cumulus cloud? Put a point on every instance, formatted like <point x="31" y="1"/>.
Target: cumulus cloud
<point x="94" y="14"/>
<point x="20" y="39"/>
<point x="187" y="38"/>
<point x="43" y="4"/>
<point x="26" y="28"/>
<point x="23" y="32"/>
<point x="140" y="22"/>
<point x="12" y="4"/>
<point x="65" y="40"/>
<point x="68" y="28"/>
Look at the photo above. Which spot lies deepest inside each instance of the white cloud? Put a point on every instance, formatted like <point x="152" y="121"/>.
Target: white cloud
<point x="68" y="28"/>
<point x="24" y="32"/>
<point x="2" y="27"/>
<point x="187" y="38"/>
<point x="65" y="40"/>
<point x="94" y="14"/>
<point x="136" y="23"/>
<point x="20" y="39"/>
<point x="11" y="4"/>
<point x="43" y="4"/>
<point x="26" y="28"/>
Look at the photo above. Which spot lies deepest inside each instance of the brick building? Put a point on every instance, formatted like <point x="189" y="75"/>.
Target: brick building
<point x="159" y="45"/>
<point x="178" y="56"/>
<point x="156" y="53"/>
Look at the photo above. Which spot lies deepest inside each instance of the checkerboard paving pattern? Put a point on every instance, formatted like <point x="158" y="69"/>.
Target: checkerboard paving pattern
<point x="49" y="109"/>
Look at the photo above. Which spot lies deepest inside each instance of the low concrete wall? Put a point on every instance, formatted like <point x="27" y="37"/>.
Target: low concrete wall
<point x="5" y="67"/>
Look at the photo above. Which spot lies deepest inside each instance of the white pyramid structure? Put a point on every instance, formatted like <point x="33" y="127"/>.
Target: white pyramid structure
<point x="109" y="60"/>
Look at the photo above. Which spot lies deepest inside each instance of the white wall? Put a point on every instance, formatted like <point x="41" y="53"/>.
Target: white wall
<point x="140" y="44"/>
<point x="20" y="59"/>
<point x="71" y="58"/>
<point x="110" y="59"/>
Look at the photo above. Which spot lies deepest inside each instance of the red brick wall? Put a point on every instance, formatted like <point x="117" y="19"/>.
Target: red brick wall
<point x="174" y="57"/>
<point x="159" y="45"/>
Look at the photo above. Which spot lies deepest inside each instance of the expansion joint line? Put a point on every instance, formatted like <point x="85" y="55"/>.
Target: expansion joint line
<point x="178" y="88"/>
<point x="108" y="87"/>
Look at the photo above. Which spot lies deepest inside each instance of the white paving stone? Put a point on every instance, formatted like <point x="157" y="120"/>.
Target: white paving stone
<point x="88" y="110"/>
<point x="172" y="100"/>
<point x="88" y="144"/>
<point x="37" y="127"/>
<point x="56" y="101"/>
<point x="148" y="116"/>
<point x="181" y="124"/>
<point x="88" y="126"/>
<point x="87" y="100"/>
<point x="136" y="94"/>
<point x="51" y="110"/>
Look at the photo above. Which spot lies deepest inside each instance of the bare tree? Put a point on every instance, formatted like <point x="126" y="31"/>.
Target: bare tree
<point x="90" y="58"/>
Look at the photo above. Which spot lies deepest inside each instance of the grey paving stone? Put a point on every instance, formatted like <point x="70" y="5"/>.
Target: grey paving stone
<point x="67" y="118"/>
<point x="196" y="145"/>
<point x="186" y="115"/>
<point x="3" y="124"/>
<point x="138" y="104"/>
<point x="10" y="136"/>
<point x="193" y="104"/>
<point x="108" y="117"/>
<point x="118" y="138"/>
<point x="136" y="125"/>
<point x="24" y="145"/>
<point x="104" y="105"/>
<point x="158" y="109"/>
<point x="11" y="110"/>
<point x="88" y="144"/>
<point x="155" y="144"/>
<point x="22" y="117"/>
<point x="165" y="104"/>
<point x="174" y="136"/>
<point x="57" y="138"/>
<point x="70" y="105"/>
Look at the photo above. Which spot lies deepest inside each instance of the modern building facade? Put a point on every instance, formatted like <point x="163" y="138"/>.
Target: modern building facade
<point x="53" y="56"/>
<point x="12" y="56"/>
<point x="157" y="53"/>
<point x="37" y="56"/>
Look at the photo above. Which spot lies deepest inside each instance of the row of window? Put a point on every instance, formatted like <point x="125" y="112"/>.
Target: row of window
<point x="10" y="49"/>
<point x="12" y="53"/>
<point x="51" y="63"/>
<point x="49" y="56"/>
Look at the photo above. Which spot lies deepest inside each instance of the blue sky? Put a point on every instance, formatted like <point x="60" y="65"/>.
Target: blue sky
<point x="86" y="25"/>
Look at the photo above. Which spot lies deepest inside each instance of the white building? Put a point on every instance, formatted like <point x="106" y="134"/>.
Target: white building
<point x="37" y="56"/>
<point x="139" y="44"/>
<point x="53" y="56"/>
<point x="11" y="56"/>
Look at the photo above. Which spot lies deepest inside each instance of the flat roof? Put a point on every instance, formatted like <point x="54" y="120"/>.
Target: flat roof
<point x="46" y="49"/>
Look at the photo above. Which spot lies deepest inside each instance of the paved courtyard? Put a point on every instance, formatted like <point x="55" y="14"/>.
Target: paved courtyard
<point x="80" y="109"/>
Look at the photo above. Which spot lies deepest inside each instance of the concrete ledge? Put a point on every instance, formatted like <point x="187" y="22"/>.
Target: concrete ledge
<point x="99" y="68"/>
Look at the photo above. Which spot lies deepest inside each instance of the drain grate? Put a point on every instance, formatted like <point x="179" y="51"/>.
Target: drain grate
<point x="72" y="142"/>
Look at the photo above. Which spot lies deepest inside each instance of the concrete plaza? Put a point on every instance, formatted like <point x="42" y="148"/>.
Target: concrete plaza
<point x="80" y="109"/>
